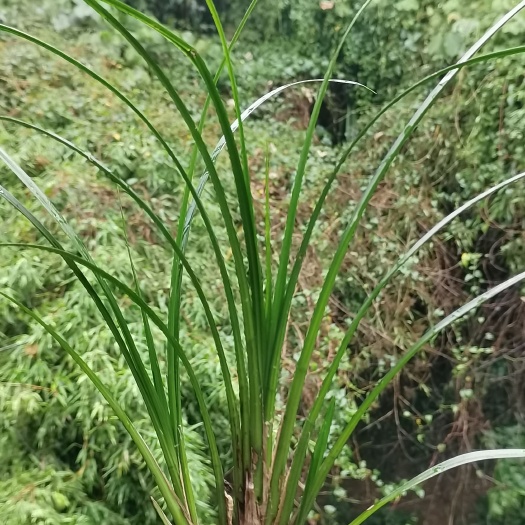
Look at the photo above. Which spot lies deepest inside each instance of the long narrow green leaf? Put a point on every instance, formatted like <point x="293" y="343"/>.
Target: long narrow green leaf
<point x="165" y="433"/>
<point x="189" y="497"/>
<point x="160" y="479"/>
<point x="42" y="198"/>
<point x="137" y="299"/>
<point x="176" y="290"/>
<point x="135" y="361"/>
<point x="322" y="440"/>
<point x="317" y="457"/>
<point x="463" y="459"/>
<point x="268" y="280"/>
<point x="193" y="158"/>
<point x="315" y="323"/>
<point x="147" y="122"/>
<point x="222" y="143"/>
<point x="317" y="210"/>
<point x="268" y="236"/>
<point x="154" y="405"/>
<point x="79" y="245"/>
<point x="176" y="283"/>
<point x="172" y="380"/>
<point x="128" y="103"/>
<point x="214" y="94"/>
<point x="154" y="362"/>
<point x="166" y="444"/>
<point x="235" y="90"/>
<point x="254" y="277"/>
<point x="252" y="309"/>
<point x="286" y="430"/>
<point x="318" y="207"/>
<point x="144" y="206"/>
<point x="342" y="440"/>
<point x="81" y="67"/>
<point x="220" y="146"/>
<point x="294" y="200"/>
<point x="160" y="512"/>
<point x="234" y="126"/>
<point x="245" y="198"/>
<point x="163" y="230"/>
<point x="309" y="423"/>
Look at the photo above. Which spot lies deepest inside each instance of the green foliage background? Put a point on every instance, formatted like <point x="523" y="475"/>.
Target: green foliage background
<point x="63" y="457"/>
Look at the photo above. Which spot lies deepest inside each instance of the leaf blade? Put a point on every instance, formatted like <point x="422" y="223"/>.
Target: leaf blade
<point x="162" y="483"/>
<point x="463" y="459"/>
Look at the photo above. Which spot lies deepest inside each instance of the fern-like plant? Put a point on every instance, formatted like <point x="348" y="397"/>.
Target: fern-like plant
<point x="276" y="475"/>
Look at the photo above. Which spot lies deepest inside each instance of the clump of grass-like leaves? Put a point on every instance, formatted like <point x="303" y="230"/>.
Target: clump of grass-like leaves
<point x="276" y="475"/>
